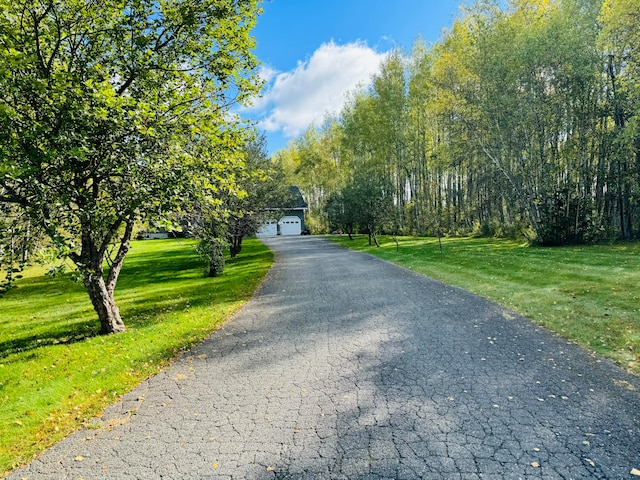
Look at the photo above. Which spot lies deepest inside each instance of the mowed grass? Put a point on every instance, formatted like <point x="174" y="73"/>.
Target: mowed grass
<point x="56" y="372"/>
<point x="588" y="294"/>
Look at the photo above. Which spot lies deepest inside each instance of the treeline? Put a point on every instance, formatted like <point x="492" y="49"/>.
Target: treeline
<point x="521" y="120"/>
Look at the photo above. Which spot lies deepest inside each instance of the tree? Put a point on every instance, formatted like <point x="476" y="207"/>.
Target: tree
<point x="211" y="245"/>
<point x="341" y="213"/>
<point x="619" y="41"/>
<point x="265" y="187"/>
<point x="312" y="163"/>
<point x="365" y="202"/>
<point x="18" y="240"/>
<point x="231" y="214"/>
<point x="522" y="120"/>
<point x="239" y="212"/>
<point x="114" y="111"/>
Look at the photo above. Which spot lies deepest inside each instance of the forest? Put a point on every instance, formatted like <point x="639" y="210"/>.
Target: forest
<point x="521" y="121"/>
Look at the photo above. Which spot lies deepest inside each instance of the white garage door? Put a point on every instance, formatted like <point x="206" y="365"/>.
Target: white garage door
<point x="290" y="226"/>
<point x="268" y="229"/>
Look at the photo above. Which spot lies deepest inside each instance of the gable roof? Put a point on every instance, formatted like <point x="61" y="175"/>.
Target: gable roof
<point x="292" y="200"/>
<point x="297" y="201"/>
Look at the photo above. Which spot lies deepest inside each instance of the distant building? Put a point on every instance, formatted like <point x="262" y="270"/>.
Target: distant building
<point x="286" y="220"/>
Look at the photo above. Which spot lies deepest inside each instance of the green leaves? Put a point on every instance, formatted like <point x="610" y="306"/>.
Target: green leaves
<point x="521" y="120"/>
<point x="99" y="107"/>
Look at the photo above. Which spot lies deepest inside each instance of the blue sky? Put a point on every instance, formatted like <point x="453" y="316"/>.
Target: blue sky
<point x="315" y="51"/>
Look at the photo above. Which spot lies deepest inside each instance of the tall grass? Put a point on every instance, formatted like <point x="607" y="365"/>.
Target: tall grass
<point x="589" y="294"/>
<point x="56" y="372"/>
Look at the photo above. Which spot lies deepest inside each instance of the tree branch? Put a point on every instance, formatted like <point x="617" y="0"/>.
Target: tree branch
<point x="118" y="261"/>
<point x="36" y="32"/>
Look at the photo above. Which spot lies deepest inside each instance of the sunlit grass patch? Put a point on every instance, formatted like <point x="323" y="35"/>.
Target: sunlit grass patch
<point x="56" y="372"/>
<point x="588" y="294"/>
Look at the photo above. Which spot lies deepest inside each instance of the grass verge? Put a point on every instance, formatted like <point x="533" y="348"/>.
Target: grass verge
<point x="56" y="373"/>
<point x="588" y="294"/>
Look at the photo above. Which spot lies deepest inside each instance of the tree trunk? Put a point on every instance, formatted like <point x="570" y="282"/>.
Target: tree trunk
<point x="101" y="291"/>
<point x="214" y="270"/>
<point x="216" y="263"/>
<point x="236" y="245"/>
<point x="374" y="237"/>
<point x="118" y="261"/>
<point x="103" y="303"/>
<point x="624" y="187"/>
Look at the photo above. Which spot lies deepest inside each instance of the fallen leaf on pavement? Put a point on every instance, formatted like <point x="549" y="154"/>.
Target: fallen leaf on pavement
<point x="624" y="384"/>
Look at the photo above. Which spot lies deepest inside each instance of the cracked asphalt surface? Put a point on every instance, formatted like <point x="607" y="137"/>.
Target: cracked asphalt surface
<point x="347" y="367"/>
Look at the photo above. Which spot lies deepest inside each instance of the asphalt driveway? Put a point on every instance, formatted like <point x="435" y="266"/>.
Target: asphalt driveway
<point x="347" y="367"/>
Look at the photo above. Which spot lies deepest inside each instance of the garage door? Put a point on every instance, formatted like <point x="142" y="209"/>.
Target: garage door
<point x="290" y="226"/>
<point x="268" y="229"/>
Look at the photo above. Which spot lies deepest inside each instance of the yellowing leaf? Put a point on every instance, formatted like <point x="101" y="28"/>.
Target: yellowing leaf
<point x="635" y="472"/>
<point x="215" y="465"/>
<point x="535" y="464"/>
<point x="624" y="384"/>
<point x="79" y="458"/>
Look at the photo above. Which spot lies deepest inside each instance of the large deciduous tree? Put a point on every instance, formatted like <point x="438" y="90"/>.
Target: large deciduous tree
<point x="113" y="110"/>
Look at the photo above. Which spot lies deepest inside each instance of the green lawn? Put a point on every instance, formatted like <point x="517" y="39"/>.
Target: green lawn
<point x="56" y="373"/>
<point x="589" y="294"/>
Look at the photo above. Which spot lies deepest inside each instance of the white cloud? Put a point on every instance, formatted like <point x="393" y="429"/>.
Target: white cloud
<point x="267" y="73"/>
<point x="295" y="99"/>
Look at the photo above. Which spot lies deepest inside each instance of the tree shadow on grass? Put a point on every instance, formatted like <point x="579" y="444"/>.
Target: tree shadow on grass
<point x="56" y="311"/>
<point x="151" y="286"/>
<point x="185" y="288"/>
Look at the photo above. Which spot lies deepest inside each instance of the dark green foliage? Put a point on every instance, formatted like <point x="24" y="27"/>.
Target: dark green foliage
<point x="211" y="250"/>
